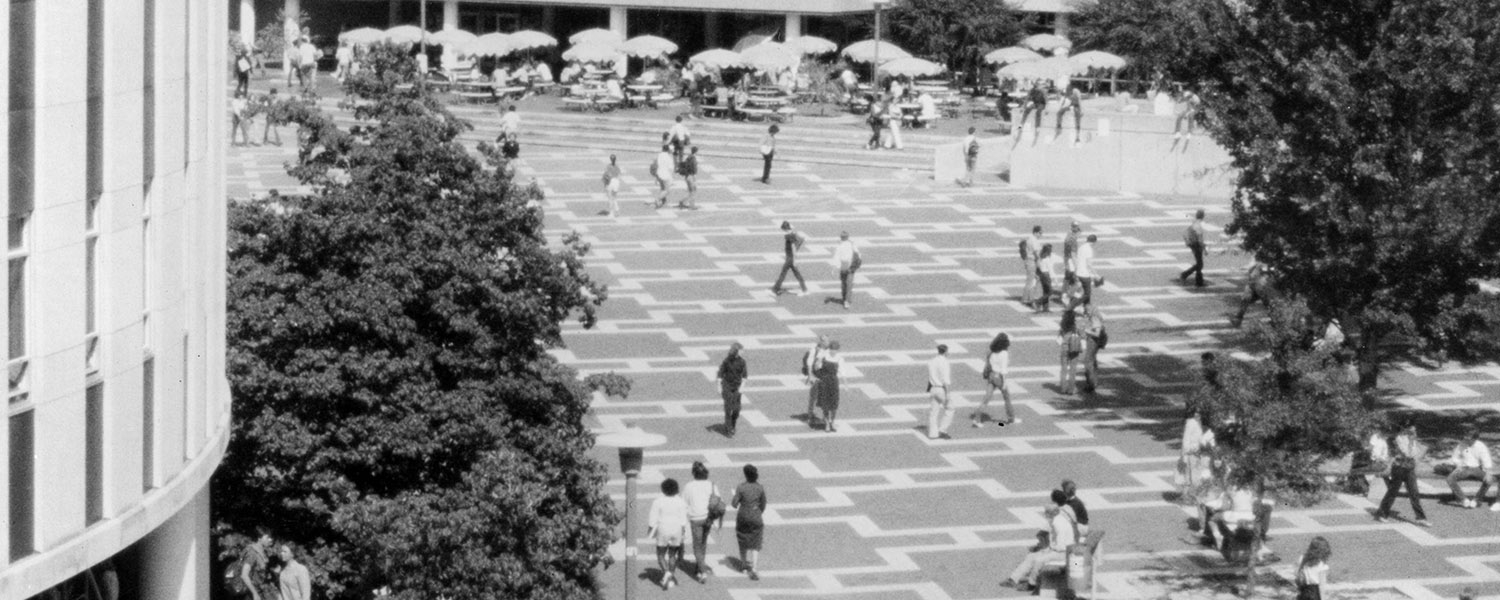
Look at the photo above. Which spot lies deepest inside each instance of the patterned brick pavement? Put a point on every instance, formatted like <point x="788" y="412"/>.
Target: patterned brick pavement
<point x="877" y="510"/>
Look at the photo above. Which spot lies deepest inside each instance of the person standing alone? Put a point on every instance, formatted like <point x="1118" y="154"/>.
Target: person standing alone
<point x="971" y="157"/>
<point x="1031" y="248"/>
<point x="846" y="258"/>
<point x="749" y="525"/>
<point x="296" y="583"/>
<point x="689" y="170"/>
<point x="792" y="242"/>
<point x="662" y="168"/>
<point x="1403" y="472"/>
<point x="768" y="152"/>
<point x="1193" y="238"/>
<point x="939" y="379"/>
<point x="732" y="373"/>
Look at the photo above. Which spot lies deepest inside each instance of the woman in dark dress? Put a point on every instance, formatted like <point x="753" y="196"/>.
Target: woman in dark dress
<point x="827" y="371"/>
<point x="750" y="500"/>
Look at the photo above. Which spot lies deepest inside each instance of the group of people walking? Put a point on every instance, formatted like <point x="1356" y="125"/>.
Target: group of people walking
<point x="1081" y="330"/>
<point x="677" y="157"/>
<point x="688" y="512"/>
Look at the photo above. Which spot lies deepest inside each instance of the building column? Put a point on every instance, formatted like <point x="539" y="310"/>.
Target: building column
<point x="619" y="21"/>
<point x="174" y="559"/>
<point x="291" y="29"/>
<point x="549" y="19"/>
<point x="711" y="29"/>
<point x="450" y="14"/>
<point x="1060" y="24"/>
<point x="247" y="22"/>
<point x="393" y="13"/>
<point x="793" y="29"/>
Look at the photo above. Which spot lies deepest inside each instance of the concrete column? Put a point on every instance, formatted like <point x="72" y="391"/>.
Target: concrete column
<point x="711" y="29"/>
<point x="793" y="28"/>
<point x="1060" y="25"/>
<point x="450" y="14"/>
<point x="619" y="21"/>
<point x="291" y="29"/>
<point x="393" y="13"/>
<point x="174" y="557"/>
<point x="247" y="22"/>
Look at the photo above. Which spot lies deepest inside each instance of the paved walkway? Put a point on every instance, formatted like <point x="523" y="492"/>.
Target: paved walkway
<point x="877" y="510"/>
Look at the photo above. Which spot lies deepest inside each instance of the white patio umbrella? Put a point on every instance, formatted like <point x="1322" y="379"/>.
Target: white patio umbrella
<point x="1043" y="42"/>
<point x="526" y="39"/>
<point x="812" y="45"/>
<point x="770" y="56"/>
<point x="452" y="37"/>
<point x="592" y="52"/>
<point x="363" y="35"/>
<point x="912" y="67"/>
<point x="865" y="51"/>
<point x="717" y="58"/>
<point x="1056" y="67"/>
<point x="489" y="44"/>
<point x="648" y="46"/>
<point x="405" y="34"/>
<point x="1095" y="59"/>
<point x="602" y="36"/>
<point x="1013" y="54"/>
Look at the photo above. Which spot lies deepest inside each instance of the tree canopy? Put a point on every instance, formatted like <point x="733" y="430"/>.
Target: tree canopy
<point x="1151" y="34"/>
<point x="1367" y="138"/>
<point x="396" y="411"/>
<point x="956" y="33"/>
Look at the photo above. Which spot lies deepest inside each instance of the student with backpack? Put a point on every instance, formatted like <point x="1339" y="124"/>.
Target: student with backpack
<point x="996" y="370"/>
<point x="248" y="575"/>
<point x="704" y="507"/>
<point x="1095" y="337"/>
<point x="1070" y="348"/>
<point x="792" y="241"/>
<point x="661" y="168"/>
<point x="809" y="365"/>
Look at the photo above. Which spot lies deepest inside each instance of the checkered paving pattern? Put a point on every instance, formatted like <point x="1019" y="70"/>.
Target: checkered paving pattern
<point x="877" y="510"/>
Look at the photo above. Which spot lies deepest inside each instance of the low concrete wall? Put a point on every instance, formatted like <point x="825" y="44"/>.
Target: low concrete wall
<point x="1129" y="152"/>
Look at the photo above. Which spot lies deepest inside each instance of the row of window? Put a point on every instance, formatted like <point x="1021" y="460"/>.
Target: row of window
<point x="22" y="189"/>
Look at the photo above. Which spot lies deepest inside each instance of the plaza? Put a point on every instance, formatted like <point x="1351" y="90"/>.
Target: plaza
<point x="877" y="510"/>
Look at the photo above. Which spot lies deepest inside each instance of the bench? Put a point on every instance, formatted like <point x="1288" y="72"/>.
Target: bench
<point x="477" y="97"/>
<point x="1077" y="566"/>
<point x="755" y="114"/>
<point x="1335" y="472"/>
<point x="717" y="112"/>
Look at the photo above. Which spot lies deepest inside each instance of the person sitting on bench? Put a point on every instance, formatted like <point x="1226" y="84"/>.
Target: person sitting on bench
<point x="1063" y="534"/>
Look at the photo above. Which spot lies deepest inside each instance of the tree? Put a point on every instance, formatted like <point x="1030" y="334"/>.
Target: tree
<point x="396" y="410"/>
<point x="1365" y="134"/>
<point x="956" y="33"/>
<point x="1279" y="417"/>
<point x="1151" y="34"/>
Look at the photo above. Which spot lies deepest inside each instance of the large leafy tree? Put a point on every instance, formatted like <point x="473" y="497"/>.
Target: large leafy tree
<point x="1152" y="34"/>
<point x="396" y="411"/>
<point x="1367" y="136"/>
<point x="956" y="33"/>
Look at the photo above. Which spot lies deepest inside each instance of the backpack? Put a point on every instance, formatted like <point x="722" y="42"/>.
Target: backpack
<point x="988" y="370"/>
<point x="232" y="582"/>
<point x="653" y="168"/>
<point x="855" y="264"/>
<point x="1023" y="249"/>
<point x="1074" y="343"/>
<point x="805" y="357"/>
<point x="1102" y="339"/>
<point x="716" y="508"/>
<point x="800" y="240"/>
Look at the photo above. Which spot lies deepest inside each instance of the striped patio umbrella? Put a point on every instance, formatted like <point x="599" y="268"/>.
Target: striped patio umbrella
<point x="602" y="36"/>
<point x="592" y="52"/>
<point x="1011" y="55"/>
<point x="527" y="39"/>
<point x="718" y="58"/>
<point x="648" y="46"/>
<point x="865" y="51"/>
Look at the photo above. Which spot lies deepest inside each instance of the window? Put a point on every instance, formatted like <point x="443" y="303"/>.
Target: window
<point x="148" y="91"/>
<point x="91" y="303"/>
<point x="148" y="424"/>
<point x="186" y="403"/>
<point x="94" y="158"/>
<point x="22" y="486"/>
<point x="22" y="189"/>
<point x="93" y="460"/>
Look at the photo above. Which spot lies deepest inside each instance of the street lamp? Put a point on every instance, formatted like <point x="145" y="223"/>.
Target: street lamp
<point x="631" y="443"/>
<point x="875" y="76"/>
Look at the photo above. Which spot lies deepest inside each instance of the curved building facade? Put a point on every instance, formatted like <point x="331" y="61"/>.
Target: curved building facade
<point x="117" y="403"/>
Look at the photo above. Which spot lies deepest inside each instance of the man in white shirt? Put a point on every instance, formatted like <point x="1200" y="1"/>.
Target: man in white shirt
<point x="510" y="123"/>
<point x="850" y="81"/>
<point x="1084" y="268"/>
<point x="846" y="258"/>
<point x="929" y="110"/>
<point x="543" y="72"/>
<point x="678" y="136"/>
<point x="939" y="379"/>
<point x="1062" y="533"/>
<point x="664" y="168"/>
<point x="1472" y="460"/>
<point x="309" y="64"/>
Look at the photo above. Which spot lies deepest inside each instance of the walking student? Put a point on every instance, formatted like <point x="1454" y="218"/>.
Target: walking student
<point x="1095" y="337"/>
<point x="1030" y="251"/>
<point x="689" y="170"/>
<point x="699" y="494"/>
<point x="678" y="137"/>
<point x="1403" y="473"/>
<point x="270" y="104"/>
<point x="732" y="373"/>
<point x="827" y="371"/>
<point x="810" y="371"/>
<point x="996" y="371"/>
<point x="1070" y="347"/>
<point x="846" y="258"/>
<point x="768" y="152"/>
<point x="939" y="379"/>
<point x="612" y="187"/>
<point x="668" y="526"/>
<point x="661" y="169"/>
<point x="971" y="156"/>
<point x="1046" y="273"/>
<point x="792" y="241"/>
<point x="876" y="121"/>
<point x="252" y="561"/>
<point x="1312" y="569"/>
<point x="749" y="526"/>
<point x="1084" y="268"/>
<point x="1193" y="238"/>
<point x="242" y="66"/>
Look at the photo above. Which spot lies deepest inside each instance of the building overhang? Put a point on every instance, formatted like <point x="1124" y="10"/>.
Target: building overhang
<point x="806" y="7"/>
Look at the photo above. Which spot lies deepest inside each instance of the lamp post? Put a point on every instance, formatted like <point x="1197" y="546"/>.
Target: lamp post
<point x="632" y="444"/>
<point x="875" y="66"/>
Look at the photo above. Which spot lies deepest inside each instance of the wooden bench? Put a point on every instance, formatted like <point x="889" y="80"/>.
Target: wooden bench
<point x="715" y="111"/>
<point x="1087" y="557"/>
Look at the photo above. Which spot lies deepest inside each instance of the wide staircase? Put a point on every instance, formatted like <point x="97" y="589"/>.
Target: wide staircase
<point x="836" y="140"/>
